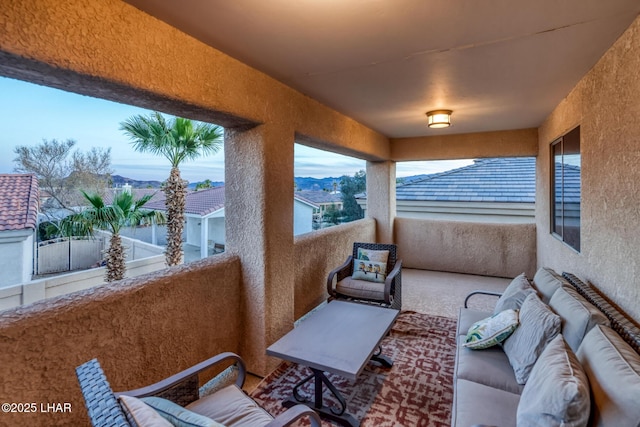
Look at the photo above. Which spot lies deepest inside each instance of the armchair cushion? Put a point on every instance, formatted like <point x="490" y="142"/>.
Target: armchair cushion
<point x="142" y="414"/>
<point x="371" y="271"/>
<point x="178" y="416"/>
<point x="355" y="288"/>
<point x="371" y="255"/>
<point x="231" y="407"/>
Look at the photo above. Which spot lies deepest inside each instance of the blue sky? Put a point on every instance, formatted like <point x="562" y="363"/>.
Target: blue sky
<point x="31" y="113"/>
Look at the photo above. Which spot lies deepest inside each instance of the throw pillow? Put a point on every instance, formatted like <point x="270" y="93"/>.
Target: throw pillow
<point x="177" y="415"/>
<point x="492" y="330"/>
<point x="142" y="414"/>
<point x="557" y="392"/>
<point x="371" y="255"/>
<point x="514" y="295"/>
<point x="538" y="326"/>
<point x="369" y="270"/>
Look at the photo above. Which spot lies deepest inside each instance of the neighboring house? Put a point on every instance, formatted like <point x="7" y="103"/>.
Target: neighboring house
<point x="322" y="199"/>
<point x="207" y="207"/>
<point x="303" y="214"/>
<point x="490" y="190"/>
<point x="18" y="225"/>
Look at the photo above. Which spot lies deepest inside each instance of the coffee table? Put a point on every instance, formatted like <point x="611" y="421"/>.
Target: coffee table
<point x="340" y="338"/>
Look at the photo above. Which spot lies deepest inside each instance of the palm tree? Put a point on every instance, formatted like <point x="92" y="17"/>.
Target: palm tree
<point x="123" y="212"/>
<point x="177" y="140"/>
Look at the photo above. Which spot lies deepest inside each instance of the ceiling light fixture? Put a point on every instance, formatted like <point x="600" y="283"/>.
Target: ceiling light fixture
<point x="439" y="118"/>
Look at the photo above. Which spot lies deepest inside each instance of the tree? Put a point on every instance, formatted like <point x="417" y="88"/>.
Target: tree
<point x="123" y="212"/>
<point x="349" y="187"/>
<point x="332" y="215"/>
<point x="62" y="172"/>
<point x="204" y="185"/>
<point x="177" y="139"/>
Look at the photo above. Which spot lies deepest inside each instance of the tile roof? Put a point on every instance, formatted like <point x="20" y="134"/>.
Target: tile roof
<point x="18" y="201"/>
<point x="201" y="202"/>
<point x="505" y="179"/>
<point x="319" y="196"/>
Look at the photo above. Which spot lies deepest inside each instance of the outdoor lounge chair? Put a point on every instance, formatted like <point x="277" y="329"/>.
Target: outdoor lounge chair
<point x="360" y="277"/>
<point x="228" y="406"/>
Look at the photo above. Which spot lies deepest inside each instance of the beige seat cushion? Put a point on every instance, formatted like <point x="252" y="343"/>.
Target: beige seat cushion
<point x="232" y="408"/>
<point x="360" y="289"/>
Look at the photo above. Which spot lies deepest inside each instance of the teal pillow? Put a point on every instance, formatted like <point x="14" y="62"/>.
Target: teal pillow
<point x="491" y="331"/>
<point x="177" y="415"/>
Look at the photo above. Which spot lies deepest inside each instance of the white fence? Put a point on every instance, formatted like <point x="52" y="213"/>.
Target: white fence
<point x="67" y="254"/>
<point x="26" y="293"/>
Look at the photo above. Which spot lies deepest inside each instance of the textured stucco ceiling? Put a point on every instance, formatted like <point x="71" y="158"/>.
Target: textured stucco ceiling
<point x="498" y="64"/>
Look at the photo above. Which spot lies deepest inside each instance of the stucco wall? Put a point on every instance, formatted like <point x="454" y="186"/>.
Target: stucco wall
<point x="16" y="256"/>
<point x="320" y="252"/>
<point x="502" y="250"/>
<point x="606" y="105"/>
<point x="141" y="330"/>
<point x="519" y="142"/>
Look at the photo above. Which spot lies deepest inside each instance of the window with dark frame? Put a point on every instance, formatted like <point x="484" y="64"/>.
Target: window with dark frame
<point x="565" y="188"/>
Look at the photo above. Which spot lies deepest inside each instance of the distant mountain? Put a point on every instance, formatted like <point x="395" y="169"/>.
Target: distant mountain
<point x="302" y="183"/>
<point x="317" y="184"/>
<point x="192" y="185"/>
<point x="119" y="181"/>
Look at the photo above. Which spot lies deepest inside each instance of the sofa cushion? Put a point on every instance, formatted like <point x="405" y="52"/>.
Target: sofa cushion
<point x="613" y="369"/>
<point x="557" y="392"/>
<point x="538" y="326"/>
<point x="515" y="294"/>
<point x="467" y="317"/>
<point x="177" y="415"/>
<point x="141" y="414"/>
<point x="489" y="367"/>
<point x="480" y="404"/>
<point x="577" y="314"/>
<point x="492" y="330"/>
<point x="360" y="288"/>
<point x="547" y="282"/>
<point x="371" y="271"/>
<point x="231" y="407"/>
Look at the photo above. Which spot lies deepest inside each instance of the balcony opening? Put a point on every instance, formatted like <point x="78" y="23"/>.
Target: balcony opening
<point x="326" y="187"/>
<point x="474" y="190"/>
<point x="76" y="143"/>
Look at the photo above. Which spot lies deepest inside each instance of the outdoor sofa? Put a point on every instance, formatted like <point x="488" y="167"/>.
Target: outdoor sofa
<point x="572" y="360"/>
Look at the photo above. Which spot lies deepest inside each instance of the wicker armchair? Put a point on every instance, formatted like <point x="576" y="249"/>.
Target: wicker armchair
<point x="229" y="405"/>
<point x="341" y="284"/>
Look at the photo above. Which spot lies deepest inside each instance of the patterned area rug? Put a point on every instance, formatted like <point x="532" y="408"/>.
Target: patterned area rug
<point x="416" y="391"/>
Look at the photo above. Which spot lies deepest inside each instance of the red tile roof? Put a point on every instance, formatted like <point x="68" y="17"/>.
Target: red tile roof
<point x="18" y="201"/>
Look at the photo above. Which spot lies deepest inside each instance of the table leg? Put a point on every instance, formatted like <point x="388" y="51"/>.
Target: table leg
<point x="381" y="358"/>
<point x="338" y="415"/>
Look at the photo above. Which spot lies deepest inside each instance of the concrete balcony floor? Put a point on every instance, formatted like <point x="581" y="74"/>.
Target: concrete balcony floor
<point x="436" y="293"/>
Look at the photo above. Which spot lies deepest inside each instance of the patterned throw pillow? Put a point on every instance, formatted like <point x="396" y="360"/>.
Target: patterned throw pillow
<point x="370" y="255"/>
<point x="369" y="270"/>
<point x="492" y="330"/>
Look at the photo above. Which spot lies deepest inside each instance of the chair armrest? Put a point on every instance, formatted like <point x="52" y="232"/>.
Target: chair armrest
<point x="492" y="293"/>
<point x="338" y="274"/>
<point x="294" y="413"/>
<point x="189" y="374"/>
<point x="391" y="277"/>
